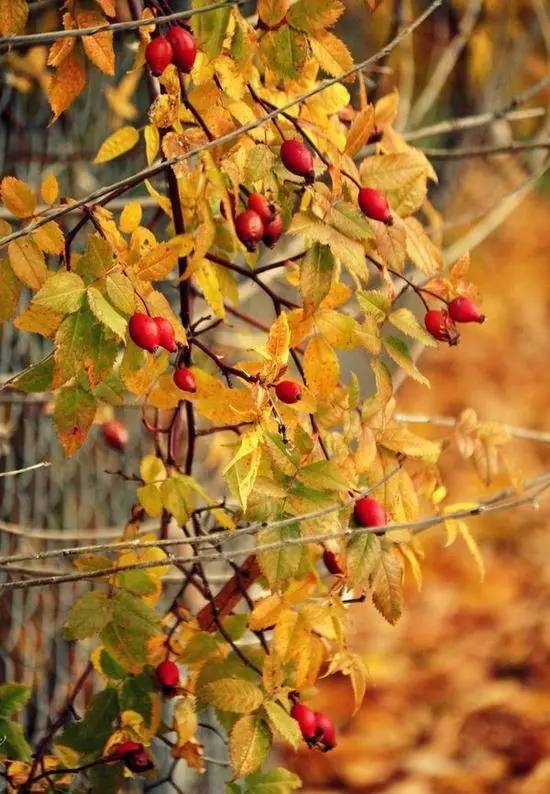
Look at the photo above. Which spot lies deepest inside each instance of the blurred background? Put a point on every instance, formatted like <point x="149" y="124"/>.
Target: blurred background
<point x="459" y="696"/>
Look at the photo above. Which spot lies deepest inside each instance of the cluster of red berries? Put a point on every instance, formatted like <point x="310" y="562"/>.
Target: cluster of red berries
<point x="178" y="47"/>
<point x="150" y="333"/>
<point x="133" y="755"/>
<point x="440" y="323"/>
<point x="167" y="676"/>
<point x="317" y="729"/>
<point x="261" y="221"/>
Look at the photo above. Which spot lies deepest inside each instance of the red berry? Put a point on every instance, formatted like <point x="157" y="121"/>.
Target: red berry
<point x="297" y="158"/>
<point x="144" y="332"/>
<point x="139" y="762"/>
<point x="273" y="230"/>
<point x="249" y="228"/>
<point x="158" y="54"/>
<point x="369" y="512"/>
<point x="168" y="676"/>
<point x="184" y="47"/>
<point x="305" y="718"/>
<point x="167" y="340"/>
<point x="441" y="326"/>
<point x="115" y="434"/>
<point x="261" y="207"/>
<point x="464" y="310"/>
<point x="374" y="205"/>
<point x="185" y="380"/>
<point x="288" y="391"/>
<point x="124" y="750"/>
<point x="324" y="730"/>
<point x="331" y="563"/>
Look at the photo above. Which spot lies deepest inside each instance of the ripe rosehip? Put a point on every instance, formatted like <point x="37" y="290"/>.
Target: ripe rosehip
<point x="185" y="380"/>
<point x="273" y="230"/>
<point x="288" y="391"/>
<point x="158" y="54"/>
<point x="168" y="676"/>
<point x="184" y="47"/>
<point x="139" y="762"/>
<point x="441" y="326"/>
<point x="374" y="205"/>
<point x="331" y="563"/>
<point x="124" y="750"/>
<point x="115" y="434"/>
<point x="368" y="512"/>
<point x="305" y="718"/>
<point x="144" y="332"/>
<point x="297" y="158"/>
<point x="249" y="228"/>
<point x="261" y="207"/>
<point x="464" y="310"/>
<point x="325" y="731"/>
<point x="167" y="340"/>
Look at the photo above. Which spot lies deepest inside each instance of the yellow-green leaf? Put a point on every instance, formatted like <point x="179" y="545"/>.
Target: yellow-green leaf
<point x="62" y="292"/>
<point x="405" y="321"/>
<point x="249" y="744"/>
<point x="399" y="351"/>
<point x="233" y="694"/>
<point x="387" y="586"/>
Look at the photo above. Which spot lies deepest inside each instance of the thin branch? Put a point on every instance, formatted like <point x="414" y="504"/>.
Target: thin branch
<point x="14" y="472"/>
<point x="115" y="27"/>
<point x="497" y="503"/>
<point x="104" y="194"/>
<point x="485" y="151"/>
<point x="542" y="436"/>
<point x="472" y="122"/>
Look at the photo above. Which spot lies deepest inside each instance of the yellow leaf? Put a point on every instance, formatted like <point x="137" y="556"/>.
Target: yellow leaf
<point x="426" y="256"/>
<point x="17" y="197"/>
<point x="360" y="130"/>
<point x="13" y="16"/>
<point x="387" y="587"/>
<point x="130" y="217"/>
<point x="207" y="281"/>
<point x="37" y="320"/>
<point x="152" y="142"/>
<point x="249" y="743"/>
<point x="331" y="53"/>
<point x="116" y="144"/>
<point x="27" y="262"/>
<point x="66" y="84"/>
<point x="50" y="238"/>
<point x="49" y="189"/>
<point x="272" y="11"/>
<point x="321" y="367"/>
<point x="472" y="547"/>
<point x="157" y="263"/>
<point x="61" y="48"/>
<point x="99" y="47"/>
<point x="232" y="694"/>
<point x="185" y="719"/>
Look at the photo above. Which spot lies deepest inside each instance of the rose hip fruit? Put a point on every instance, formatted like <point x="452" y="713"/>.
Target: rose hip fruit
<point x="124" y="750"/>
<point x="168" y="676"/>
<point x="185" y="380"/>
<point x="144" y="332"/>
<point x="115" y="434"/>
<point x="464" y="310"/>
<point x="261" y="206"/>
<point x="368" y="512"/>
<point x="441" y="326"/>
<point x="324" y="730"/>
<point x="331" y="563"/>
<point x="273" y="230"/>
<point x="139" y="762"/>
<point x="158" y="54"/>
<point x="374" y="205"/>
<point x="288" y="391"/>
<point x="250" y="229"/>
<point x="184" y="48"/>
<point x="167" y="339"/>
<point x="305" y="718"/>
<point x="297" y="158"/>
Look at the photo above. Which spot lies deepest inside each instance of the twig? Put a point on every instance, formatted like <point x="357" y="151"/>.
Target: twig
<point x="542" y="436"/>
<point x="484" y="151"/>
<point x="14" y="472"/>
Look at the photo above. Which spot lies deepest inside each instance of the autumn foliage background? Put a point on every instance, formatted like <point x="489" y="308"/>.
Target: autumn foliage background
<point x="458" y="691"/>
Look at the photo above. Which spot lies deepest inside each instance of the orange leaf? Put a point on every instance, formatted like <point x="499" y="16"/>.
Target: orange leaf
<point x="66" y="84"/>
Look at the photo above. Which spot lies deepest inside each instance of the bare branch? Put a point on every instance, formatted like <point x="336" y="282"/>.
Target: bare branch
<point x="14" y="472"/>
<point x="542" y="436"/>
<point x="485" y="151"/>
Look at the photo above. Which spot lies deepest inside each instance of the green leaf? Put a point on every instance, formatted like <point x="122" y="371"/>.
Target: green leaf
<point x="109" y="667"/>
<point x="13" y="744"/>
<point x="210" y="28"/>
<point x="399" y="351"/>
<point x="350" y="221"/>
<point x="87" y="616"/>
<point x="373" y="303"/>
<point x="135" y="695"/>
<point x="275" y="781"/>
<point x="233" y="694"/>
<point x="61" y="293"/>
<point x="284" y="562"/>
<point x="178" y="498"/>
<point x="284" y="51"/>
<point x="91" y="733"/>
<point x="316" y="272"/>
<point x="12" y="698"/>
<point x="362" y="556"/>
<point x="37" y="378"/>
<point x="74" y="412"/>
<point x="83" y="344"/>
<point x="259" y="163"/>
<point x="110" y="390"/>
<point x="137" y="582"/>
<point x="283" y="724"/>
<point x="405" y="321"/>
<point x="106" y="313"/>
<point x="97" y="259"/>
<point x="249" y="744"/>
<point x="106" y="778"/>
<point x="132" y="623"/>
<point x="10" y="290"/>
<point x="200" y="646"/>
<point x="121" y="292"/>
